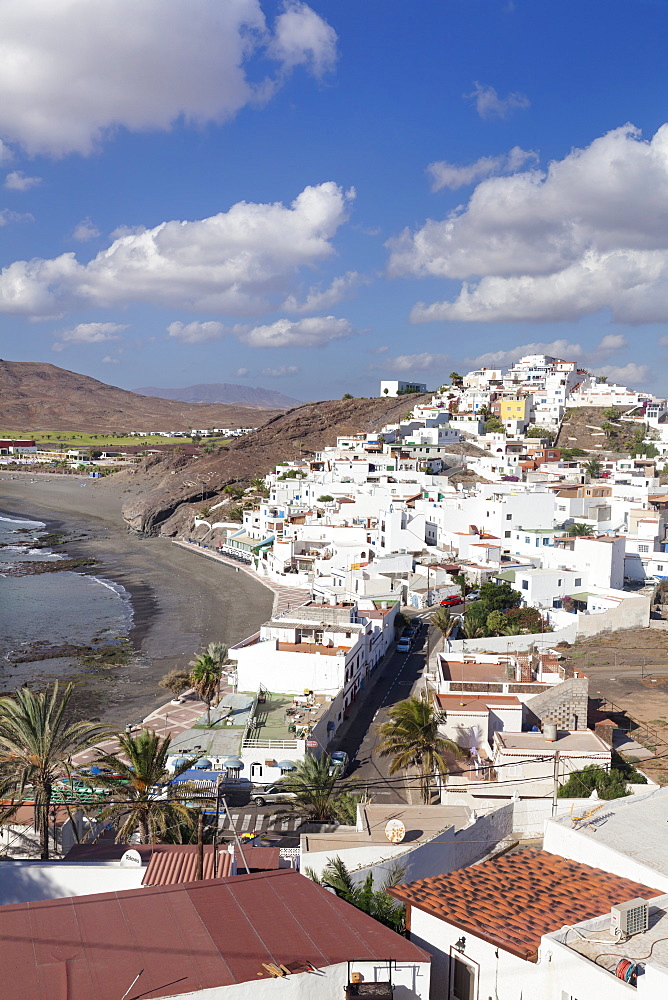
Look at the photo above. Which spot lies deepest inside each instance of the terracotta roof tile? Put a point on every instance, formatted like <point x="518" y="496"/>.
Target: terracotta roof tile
<point x="171" y="864"/>
<point x="512" y="901"/>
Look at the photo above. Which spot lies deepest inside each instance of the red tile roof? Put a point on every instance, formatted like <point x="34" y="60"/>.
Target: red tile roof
<point x="185" y="938"/>
<point x="512" y="901"/>
<point x="171" y="864"/>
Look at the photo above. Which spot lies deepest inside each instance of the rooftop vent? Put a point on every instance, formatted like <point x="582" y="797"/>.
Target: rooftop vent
<point x="629" y="918"/>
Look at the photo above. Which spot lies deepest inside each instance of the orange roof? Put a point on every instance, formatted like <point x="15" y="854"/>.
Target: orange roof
<point x="171" y="864"/>
<point x="512" y="901"/>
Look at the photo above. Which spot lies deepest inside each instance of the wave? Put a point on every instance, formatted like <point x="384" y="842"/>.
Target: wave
<point x="24" y="521"/>
<point x="117" y="589"/>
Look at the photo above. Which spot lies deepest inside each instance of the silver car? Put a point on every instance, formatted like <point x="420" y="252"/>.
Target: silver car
<point x="273" y="793"/>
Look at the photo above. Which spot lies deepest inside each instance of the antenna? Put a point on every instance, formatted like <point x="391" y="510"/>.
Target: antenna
<point x="132" y="984"/>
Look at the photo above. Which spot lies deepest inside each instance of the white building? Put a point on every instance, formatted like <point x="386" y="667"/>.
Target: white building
<point x="393" y="388"/>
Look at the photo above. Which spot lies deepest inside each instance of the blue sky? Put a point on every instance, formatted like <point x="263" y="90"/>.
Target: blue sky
<point x="315" y="197"/>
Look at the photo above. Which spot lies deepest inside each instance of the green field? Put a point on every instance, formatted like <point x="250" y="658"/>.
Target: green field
<point x="75" y="439"/>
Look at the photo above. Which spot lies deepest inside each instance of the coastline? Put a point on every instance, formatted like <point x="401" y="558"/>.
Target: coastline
<point x="180" y="602"/>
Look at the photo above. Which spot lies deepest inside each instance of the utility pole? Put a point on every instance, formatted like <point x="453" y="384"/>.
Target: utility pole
<point x="236" y="835"/>
<point x="200" y="846"/>
<point x="555" y="786"/>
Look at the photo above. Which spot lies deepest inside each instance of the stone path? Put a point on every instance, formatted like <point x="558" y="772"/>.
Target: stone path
<point x="285" y="598"/>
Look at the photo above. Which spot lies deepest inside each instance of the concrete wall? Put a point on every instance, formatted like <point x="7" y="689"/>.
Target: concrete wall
<point x="563" y="704"/>
<point x="410" y="979"/>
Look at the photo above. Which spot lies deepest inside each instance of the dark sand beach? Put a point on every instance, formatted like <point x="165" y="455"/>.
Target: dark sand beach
<point x="181" y="601"/>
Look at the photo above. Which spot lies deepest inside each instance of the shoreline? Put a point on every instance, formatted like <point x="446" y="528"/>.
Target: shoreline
<point x="179" y="603"/>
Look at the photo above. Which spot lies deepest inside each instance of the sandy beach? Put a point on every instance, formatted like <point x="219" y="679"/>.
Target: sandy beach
<point x="180" y="600"/>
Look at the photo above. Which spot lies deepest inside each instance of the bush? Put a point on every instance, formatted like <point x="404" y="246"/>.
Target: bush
<point x="607" y="784"/>
<point x="176" y="681"/>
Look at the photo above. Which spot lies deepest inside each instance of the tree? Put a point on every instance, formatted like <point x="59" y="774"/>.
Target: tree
<point x="474" y="625"/>
<point x="611" y="414"/>
<point x="386" y="391"/>
<point x="579" y="530"/>
<point x="314" y="789"/>
<point x="499" y="596"/>
<point x="493" y="426"/>
<point x="362" y="895"/>
<point x="524" y="621"/>
<point x="496" y="622"/>
<point x="593" y="468"/>
<point x="541" y="432"/>
<point x="456" y="378"/>
<point x="142" y="797"/>
<point x="37" y="742"/>
<point x="326" y="498"/>
<point x="443" y="621"/>
<point x="411" y="738"/>
<point x="205" y="678"/>
<point x="348" y="395"/>
<point x="609" y="428"/>
<point x="176" y="681"/>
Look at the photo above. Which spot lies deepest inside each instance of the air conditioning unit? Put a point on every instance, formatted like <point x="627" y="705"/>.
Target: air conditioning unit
<point x="629" y="918"/>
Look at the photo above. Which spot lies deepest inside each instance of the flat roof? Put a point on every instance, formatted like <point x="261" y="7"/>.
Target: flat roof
<point x="594" y="941"/>
<point x="186" y="938"/>
<point x="567" y="741"/>
<point x="422" y="824"/>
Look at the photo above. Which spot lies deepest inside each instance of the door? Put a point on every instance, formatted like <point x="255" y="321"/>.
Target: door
<point x="256" y="772"/>
<point x="463" y="980"/>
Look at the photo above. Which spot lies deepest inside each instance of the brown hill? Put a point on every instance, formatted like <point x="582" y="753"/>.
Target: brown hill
<point x="168" y="486"/>
<point x="39" y="397"/>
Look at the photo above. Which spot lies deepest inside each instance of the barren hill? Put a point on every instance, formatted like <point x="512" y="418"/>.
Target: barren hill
<point x="36" y="396"/>
<point x="226" y="392"/>
<point x="168" y="486"/>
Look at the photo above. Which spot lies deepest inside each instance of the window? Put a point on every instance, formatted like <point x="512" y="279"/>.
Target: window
<point x="559" y="583"/>
<point x="525" y="584"/>
<point x="643" y="548"/>
<point x="527" y="540"/>
<point x="506" y="534"/>
<point x="509" y="517"/>
<point x="578" y="581"/>
<point x="546" y="541"/>
<point x="462" y="980"/>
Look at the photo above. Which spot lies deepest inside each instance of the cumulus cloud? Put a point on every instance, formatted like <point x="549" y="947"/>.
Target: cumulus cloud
<point x="449" y="175"/>
<point x="85" y="230"/>
<point x="242" y="372"/>
<point x="630" y="374"/>
<point x="315" y="331"/>
<point x="18" y="181"/>
<point x="412" y="362"/>
<point x="108" y="360"/>
<point x="89" y="333"/>
<point x="590" y="233"/>
<point x="504" y="359"/>
<point x="281" y="371"/>
<point x="316" y="298"/>
<point x="613" y="342"/>
<point x="198" y="333"/>
<point x="70" y="73"/>
<point x="243" y="261"/>
<point x="488" y="104"/>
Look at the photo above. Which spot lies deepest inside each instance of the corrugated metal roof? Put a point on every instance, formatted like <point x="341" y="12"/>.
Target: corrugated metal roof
<point x="176" y="863"/>
<point x="186" y="938"/>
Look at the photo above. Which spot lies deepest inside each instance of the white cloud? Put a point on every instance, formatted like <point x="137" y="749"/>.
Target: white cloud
<point x="108" y="360"/>
<point x="70" y="73"/>
<point x="630" y="374"/>
<point x="589" y="234"/>
<point x="314" y="331"/>
<point x="281" y="371"/>
<point x="412" y="362"/>
<point x="612" y="342"/>
<point x="301" y="38"/>
<point x="242" y="372"/>
<point x="663" y="341"/>
<point x="7" y="216"/>
<point x="449" y="175"/>
<point x="504" y="359"/>
<point x="488" y="104"/>
<point x="318" y="299"/>
<point x="17" y="181"/>
<point x="198" y="333"/>
<point x="89" y="333"/>
<point x="243" y="261"/>
<point x="85" y="230"/>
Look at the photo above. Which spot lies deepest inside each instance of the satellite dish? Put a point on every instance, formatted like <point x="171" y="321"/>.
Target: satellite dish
<point x="395" y="831"/>
<point x="131" y="859"/>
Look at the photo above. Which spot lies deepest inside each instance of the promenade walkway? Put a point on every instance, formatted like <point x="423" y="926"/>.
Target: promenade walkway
<point x="285" y="598"/>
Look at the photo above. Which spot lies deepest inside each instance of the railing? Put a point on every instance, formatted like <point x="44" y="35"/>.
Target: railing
<point x="251" y="742"/>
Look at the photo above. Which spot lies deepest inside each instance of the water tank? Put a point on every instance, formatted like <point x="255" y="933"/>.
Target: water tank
<point x="550" y="731"/>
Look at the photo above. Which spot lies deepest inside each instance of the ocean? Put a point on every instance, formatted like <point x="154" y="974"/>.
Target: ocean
<point x="53" y="608"/>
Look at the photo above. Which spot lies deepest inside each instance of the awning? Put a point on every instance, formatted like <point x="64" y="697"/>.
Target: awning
<point x="202" y="765"/>
<point x="265" y="543"/>
<point x="287" y="765"/>
<point x="233" y="764"/>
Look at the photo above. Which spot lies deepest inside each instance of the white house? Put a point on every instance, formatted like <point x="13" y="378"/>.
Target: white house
<point x="393" y="387"/>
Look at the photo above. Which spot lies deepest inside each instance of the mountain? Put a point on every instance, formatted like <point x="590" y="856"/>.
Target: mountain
<point x="161" y="501"/>
<point x="225" y="392"/>
<point x="40" y="397"/>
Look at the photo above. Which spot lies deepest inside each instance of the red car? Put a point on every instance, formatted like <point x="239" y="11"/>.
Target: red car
<point x="449" y="601"/>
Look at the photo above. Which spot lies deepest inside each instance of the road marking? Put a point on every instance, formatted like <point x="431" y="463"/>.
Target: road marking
<point x="246" y="822"/>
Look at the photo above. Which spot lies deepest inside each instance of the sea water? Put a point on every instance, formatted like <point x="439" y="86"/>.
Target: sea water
<point x="57" y="607"/>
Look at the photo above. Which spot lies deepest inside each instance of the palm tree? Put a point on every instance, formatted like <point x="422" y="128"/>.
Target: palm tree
<point x="594" y="468"/>
<point x="443" y="621"/>
<point x="362" y="895"/>
<point x="142" y="799"/>
<point x="412" y="740"/>
<point x="474" y="625"/>
<point x="206" y="673"/>
<point x="314" y="789"/>
<point x="37" y="742"/>
<point x="579" y="530"/>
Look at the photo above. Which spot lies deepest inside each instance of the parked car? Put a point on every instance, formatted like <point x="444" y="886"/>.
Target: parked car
<point x="448" y="602"/>
<point x="473" y="596"/>
<point x="338" y="763"/>
<point x="273" y="793"/>
<point x="404" y="646"/>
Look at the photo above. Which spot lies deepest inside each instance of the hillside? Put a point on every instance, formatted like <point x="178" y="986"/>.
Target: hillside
<point x="225" y="392"/>
<point x="36" y="396"/>
<point x="162" y="498"/>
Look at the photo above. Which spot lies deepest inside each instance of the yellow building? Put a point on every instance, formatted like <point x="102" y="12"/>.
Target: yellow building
<point x="514" y="412"/>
